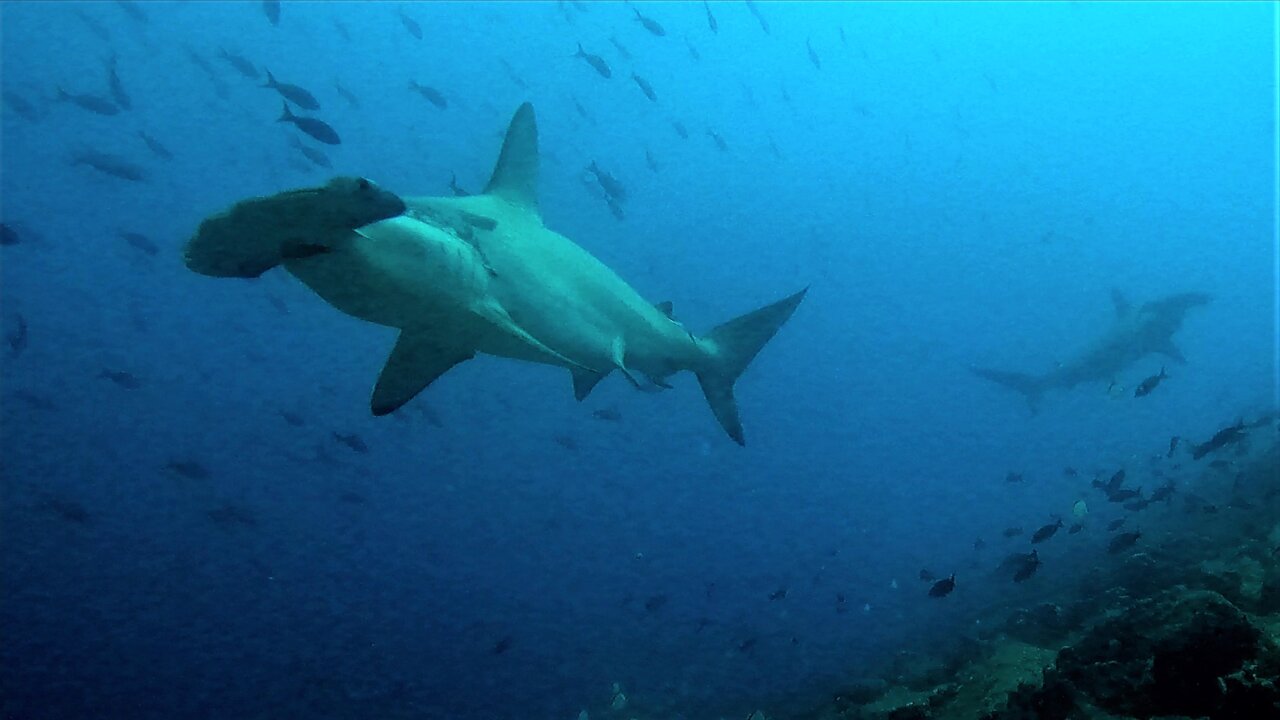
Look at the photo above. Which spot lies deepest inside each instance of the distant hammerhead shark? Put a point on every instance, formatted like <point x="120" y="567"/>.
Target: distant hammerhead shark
<point x="1135" y="334"/>
<point x="460" y="276"/>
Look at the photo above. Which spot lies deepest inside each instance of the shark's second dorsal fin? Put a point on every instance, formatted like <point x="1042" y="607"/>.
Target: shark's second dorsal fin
<point x="515" y="177"/>
<point x="1120" y="302"/>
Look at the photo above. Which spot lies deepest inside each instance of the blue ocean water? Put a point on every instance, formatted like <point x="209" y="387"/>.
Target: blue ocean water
<point x="185" y="534"/>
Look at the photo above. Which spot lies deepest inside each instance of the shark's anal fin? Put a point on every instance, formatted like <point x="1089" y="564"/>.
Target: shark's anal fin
<point x="416" y="361"/>
<point x="1120" y="302"/>
<point x="1171" y="351"/>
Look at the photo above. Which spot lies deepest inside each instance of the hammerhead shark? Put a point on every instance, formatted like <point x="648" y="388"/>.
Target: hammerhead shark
<point x="459" y="276"/>
<point x="1137" y="332"/>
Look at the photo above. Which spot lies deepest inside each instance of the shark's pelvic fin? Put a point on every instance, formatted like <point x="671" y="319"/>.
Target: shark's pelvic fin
<point x="416" y="361"/>
<point x="1120" y="302"/>
<point x="1171" y="351"/>
<point x="515" y="177"/>
<point x="496" y="315"/>
<point x="733" y="346"/>
<point x="584" y="381"/>
<point x="1030" y="386"/>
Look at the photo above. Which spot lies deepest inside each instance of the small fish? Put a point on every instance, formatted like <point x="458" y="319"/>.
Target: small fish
<point x="155" y="146"/>
<point x="503" y="645"/>
<point x="1123" y="542"/>
<point x="1115" y="524"/>
<point x="342" y="29"/>
<point x="1224" y="437"/>
<point x="295" y="94"/>
<point x="747" y="645"/>
<point x="650" y="161"/>
<point x="680" y="129"/>
<point x="351" y="497"/>
<point x="92" y="103"/>
<point x="34" y="401"/>
<point x="813" y="55"/>
<point x="94" y="26"/>
<point x="764" y="25"/>
<point x="1027" y="567"/>
<point x="568" y="442"/>
<point x="927" y="576"/>
<point x="611" y="186"/>
<point x="711" y="19"/>
<point x="431" y="94"/>
<point x="68" y="510"/>
<point x="622" y="49"/>
<point x="347" y="95"/>
<point x="595" y="61"/>
<point x="314" y="127"/>
<point x="271" y="8"/>
<point x="112" y="165"/>
<point x="693" y="51"/>
<point x="9" y="235"/>
<point x="1011" y="532"/>
<point x="352" y="441"/>
<point x="411" y="25"/>
<point x="1146" y="386"/>
<point x="779" y="594"/>
<point x="1124" y="495"/>
<point x="650" y="24"/>
<point x="232" y="515"/>
<point x="21" y="106"/>
<point x="1046" y="532"/>
<point x="1173" y="445"/>
<point x="139" y="242"/>
<point x="293" y="418"/>
<point x="1111" y="485"/>
<point x="16" y="338"/>
<point x="645" y="87"/>
<point x="1013" y="477"/>
<point x="979" y="544"/>
<point x="609" y="414"/>
<point x="116" y="86"/>
<point x="719" y="141"/>
<point x="843" y="40"/>
<point x="1163" y="493"/>
<point x="1070" y="471"/>
<point x="1075" y="528"/>
<point x="317" y="157"/>
<point x="655" y="602"/>
<point x="943" y="587"/>
<point x="133" y="11"/>
<point x="241" y="64"/>
<point x="1137" y="505"/>
<point x="124" y="379"/>
<point x="189" y="469"/>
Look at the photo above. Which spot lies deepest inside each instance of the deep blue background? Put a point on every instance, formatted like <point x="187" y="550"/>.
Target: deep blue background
<point x="960" y="184"/>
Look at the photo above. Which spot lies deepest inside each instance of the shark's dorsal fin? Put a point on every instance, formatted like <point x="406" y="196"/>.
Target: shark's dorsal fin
<point x="666" y="308"/>
<point x="1121" y="303"/>
<point x="515" y="177"/>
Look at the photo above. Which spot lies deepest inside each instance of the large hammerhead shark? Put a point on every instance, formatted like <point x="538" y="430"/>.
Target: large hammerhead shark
<point x="478" y="274"/>
<point x="1135" y="334"/>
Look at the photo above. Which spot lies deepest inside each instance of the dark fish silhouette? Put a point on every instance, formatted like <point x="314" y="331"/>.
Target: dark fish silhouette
<point x="1027" y="566"/>
<point x="68" y="510"/>
<point x="317" y="157"/>
<point x="1115" y="524"/>
<point x="8" y="235"/>
<point x="813" y="55"/>
<point x="431" y="94"/>
<point x="1046" y="532"/>
<point x="655" y="602"/>
<point x="342" y="29"/>
<point x="94" y="26"/>
<point x="114" y="83"/>
<point x="764" y="24"/>
<point x="1075" y="528"/>
<point x="1146" y="386"/>
<point x="711" y="19"/>
<point x="314" y="127"/>
<point x="1124" y="495"/>
<point x="595" y="61"/>
<point x="271" y="8"/>
<point x="650" y="161"/>
<point x="1013" y="477"/>
<point x="34" y="401"/>
<point x="347" y="95"/>
<point x="219" y="87"/>
<point x="645" y="87"/>
<point x="650" y="24"/>
<point x="16" y="338"/>
<point x="21" y="106"/>
<point x="232" y="515"/>
<point x="719" y="141"/>
<point x="503" y="645"/>
<point x="1173" y="445"/>
<point x="609" y="414"/>
<point x="1224" y="437"/>
<point x="155" y="146"/>
<point x="411" y="25"/>
<point x="779" y="594"/>
<point x="92" y="103"/>
<point x="680" y="129"/>
<point x="133" y="11"/>
<point x="352" y="441"/>
<point x="1011" y="532"/>
<point x="943" y="587"/>
<point x="693" y="51"/>
<point x="1163" y="493"/>
<point x="611" y="186"/>
<point x="1123" y="542"/>
<point x="293" y="93"/>
<point x="927" y="576"/>
<point x="112" y="165"/>
<point x="622" y="49"/>
<point x="293" y="418"/>
<point x="140" y="242"/>
<point x="124" y="379"/>
<point x="240" y="63"/>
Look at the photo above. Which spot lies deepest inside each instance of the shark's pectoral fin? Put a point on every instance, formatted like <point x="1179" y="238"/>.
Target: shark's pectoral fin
<point x="584" y="381"/>
<point x="418" y="358"/>
<point x="1171" y="351"/>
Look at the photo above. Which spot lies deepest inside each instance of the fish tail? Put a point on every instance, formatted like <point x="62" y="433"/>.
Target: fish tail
<point x="286" y="115"/>
<point x="581" y="52"/>
<point x="732" y="347"/>
<point x="271" y="81"/>
<point x="1030" y="386"/>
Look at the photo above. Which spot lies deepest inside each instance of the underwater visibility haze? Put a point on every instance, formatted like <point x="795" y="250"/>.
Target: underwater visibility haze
<point x="345" y="352"/>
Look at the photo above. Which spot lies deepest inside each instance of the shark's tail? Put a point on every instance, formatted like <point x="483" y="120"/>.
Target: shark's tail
<point x="1029" y="385"/>
<point x="732" y="346"/>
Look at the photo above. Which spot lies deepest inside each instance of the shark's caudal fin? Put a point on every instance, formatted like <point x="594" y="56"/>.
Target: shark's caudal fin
<point x="1029" y="385"/>
<point x="515" y="176"/>
<point x="733" y="346"/>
